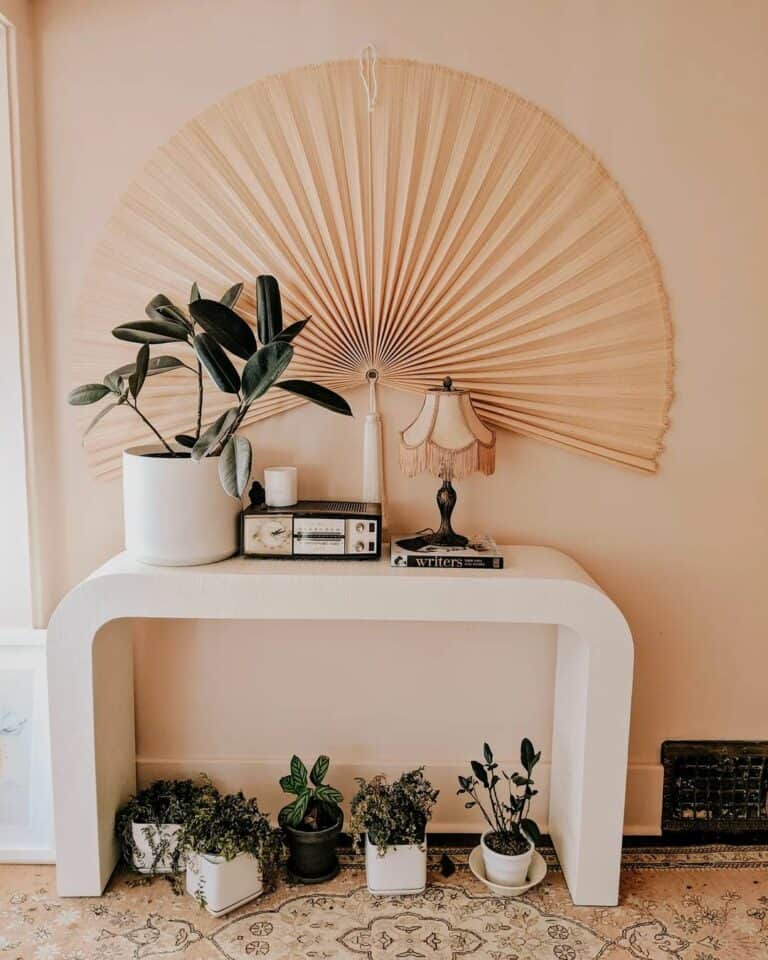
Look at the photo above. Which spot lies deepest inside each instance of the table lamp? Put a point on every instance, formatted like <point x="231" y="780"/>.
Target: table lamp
<point x="448" y="439"/>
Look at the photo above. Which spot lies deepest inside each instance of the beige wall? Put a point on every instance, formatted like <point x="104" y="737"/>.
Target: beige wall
<point x="671" y="96"/>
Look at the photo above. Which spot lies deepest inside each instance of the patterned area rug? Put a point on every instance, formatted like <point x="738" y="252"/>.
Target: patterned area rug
<point x="707" y="903"/>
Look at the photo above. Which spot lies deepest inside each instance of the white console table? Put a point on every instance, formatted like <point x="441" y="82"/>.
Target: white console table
<point x="91" y="685"/>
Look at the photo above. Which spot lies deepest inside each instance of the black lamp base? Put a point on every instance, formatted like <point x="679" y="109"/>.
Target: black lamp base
<point x="445" y="535"/>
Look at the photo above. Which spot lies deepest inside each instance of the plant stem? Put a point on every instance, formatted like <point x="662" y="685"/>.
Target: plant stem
<point x="199" y="399"/>
<point x="473" y="794"/>
<point x="156" y="432"/>
<point x="232" y="430"/>
<point x="498" y="810"/>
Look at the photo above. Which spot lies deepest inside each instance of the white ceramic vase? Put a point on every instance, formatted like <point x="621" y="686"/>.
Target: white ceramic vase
<point x="402" y="869"/>
<point x="223" y="884"/>
<point x="505" y="870"/>
<point x="176" y="512"/>
<point x="148" y="838"/>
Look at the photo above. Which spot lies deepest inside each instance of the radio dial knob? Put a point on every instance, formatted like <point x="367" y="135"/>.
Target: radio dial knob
<point x="360" y="527"/>
<point x="359" y="547"/>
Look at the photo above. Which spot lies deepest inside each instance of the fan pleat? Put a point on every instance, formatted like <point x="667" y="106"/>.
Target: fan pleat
<point x="454" y="229"/>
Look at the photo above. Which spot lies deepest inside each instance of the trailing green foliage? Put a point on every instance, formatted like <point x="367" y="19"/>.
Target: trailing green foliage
<point x="163" y="802"/>
<point x="226" y="825"/>
<point x="393" y="813"/>
<point x="505" y="811"/>
<point x="316" y="806"/>
<point x="215" y="333"/>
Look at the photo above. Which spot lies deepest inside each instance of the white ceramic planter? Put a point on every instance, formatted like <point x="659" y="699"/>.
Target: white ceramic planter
<point x="402" y="869"/>
<point x="504" y="870"/>
<point x="224" y="884"/>
<point x="175" y="510"/>
<point x="147" y="838"/>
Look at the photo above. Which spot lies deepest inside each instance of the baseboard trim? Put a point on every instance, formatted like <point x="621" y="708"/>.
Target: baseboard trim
<point x="259" y="776"/>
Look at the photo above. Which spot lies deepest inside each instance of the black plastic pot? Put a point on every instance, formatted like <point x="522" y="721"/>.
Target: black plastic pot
<point x="313" y="853"/>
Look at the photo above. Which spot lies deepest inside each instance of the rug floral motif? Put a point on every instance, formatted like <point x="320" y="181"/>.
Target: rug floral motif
<point x="699" y="904"/>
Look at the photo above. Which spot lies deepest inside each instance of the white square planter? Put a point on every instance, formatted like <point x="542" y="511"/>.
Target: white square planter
<point x="224" y="884"/>
<point x="402" y="869"/>
<point x="149" y="835"/>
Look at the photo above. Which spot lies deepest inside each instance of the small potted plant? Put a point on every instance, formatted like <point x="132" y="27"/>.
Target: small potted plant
<point x="232" y="852"/>
<point x="182" y="494"/>
<point x="148" y="825"/>
<point x="394" y="818"/>
<point x="509" y="842"/>
<point x="312" y="822"/>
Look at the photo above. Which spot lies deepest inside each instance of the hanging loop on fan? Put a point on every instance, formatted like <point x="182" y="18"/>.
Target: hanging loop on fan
<point x="372" y="376"/>
<point x="368" y="74"/>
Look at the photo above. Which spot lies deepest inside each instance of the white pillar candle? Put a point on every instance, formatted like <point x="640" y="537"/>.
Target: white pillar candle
<point x="281" y="486"/>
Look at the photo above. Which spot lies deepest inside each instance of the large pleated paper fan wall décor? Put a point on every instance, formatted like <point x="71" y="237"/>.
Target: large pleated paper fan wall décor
<point x="453" y="229"/>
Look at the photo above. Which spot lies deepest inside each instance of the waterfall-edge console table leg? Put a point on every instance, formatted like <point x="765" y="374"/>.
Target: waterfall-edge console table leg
<point x="91" y="684"/>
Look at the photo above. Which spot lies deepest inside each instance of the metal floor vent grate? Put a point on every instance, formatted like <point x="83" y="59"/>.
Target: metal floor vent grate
<point x="717" y="785"/>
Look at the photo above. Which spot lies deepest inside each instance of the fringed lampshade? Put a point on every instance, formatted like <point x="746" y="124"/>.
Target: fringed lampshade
<point x="449" y="440"/>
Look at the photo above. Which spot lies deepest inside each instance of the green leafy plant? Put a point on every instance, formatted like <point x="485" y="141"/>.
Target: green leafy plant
<point x="505" y="811"/>
<point x="316" y="806"/>
<point x="163" y="802"/>
<point x="393" y="813"/>
<point x="223" y="345"/>
<point x="225" y="825"/>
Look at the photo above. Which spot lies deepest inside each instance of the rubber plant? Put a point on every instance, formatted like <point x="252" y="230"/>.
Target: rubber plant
<point x="223" y="346"/>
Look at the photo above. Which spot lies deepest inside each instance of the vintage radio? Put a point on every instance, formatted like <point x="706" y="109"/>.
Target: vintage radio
<point x="317" y="529"/>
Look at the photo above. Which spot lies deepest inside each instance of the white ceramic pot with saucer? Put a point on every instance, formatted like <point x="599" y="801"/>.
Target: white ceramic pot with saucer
<point x="536" y="873"/>
<point x="504" y="869"/>
<point x="176" y="512"/>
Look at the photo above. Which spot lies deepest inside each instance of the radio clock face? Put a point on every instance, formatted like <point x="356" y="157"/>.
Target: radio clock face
<point x="269" y="535"/>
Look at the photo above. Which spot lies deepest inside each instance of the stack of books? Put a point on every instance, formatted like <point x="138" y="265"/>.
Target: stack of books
<point x="414" y="550"/>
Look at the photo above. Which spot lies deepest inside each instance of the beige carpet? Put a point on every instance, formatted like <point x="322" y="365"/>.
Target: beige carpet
<point x="698" y="904"/>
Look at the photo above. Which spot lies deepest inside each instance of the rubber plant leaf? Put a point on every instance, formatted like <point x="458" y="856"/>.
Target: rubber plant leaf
<point x="222" y="323"/>
<point x="235" y="466"/>
<point x="139" y="375"/>
<point x="151" y="331"/>
<point x="171" y="312"/>
<point x="156" y="365"/>
<point x="87" y="393"/>
<point x="292" y="331"/>
<point x="231" y="296"/>
<point x="264" y="367"/>
<point x="212" y="434"/>
<point x="269" y="310"/>
<point x="318" y="394"/>
<point x="217" y="363"/>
